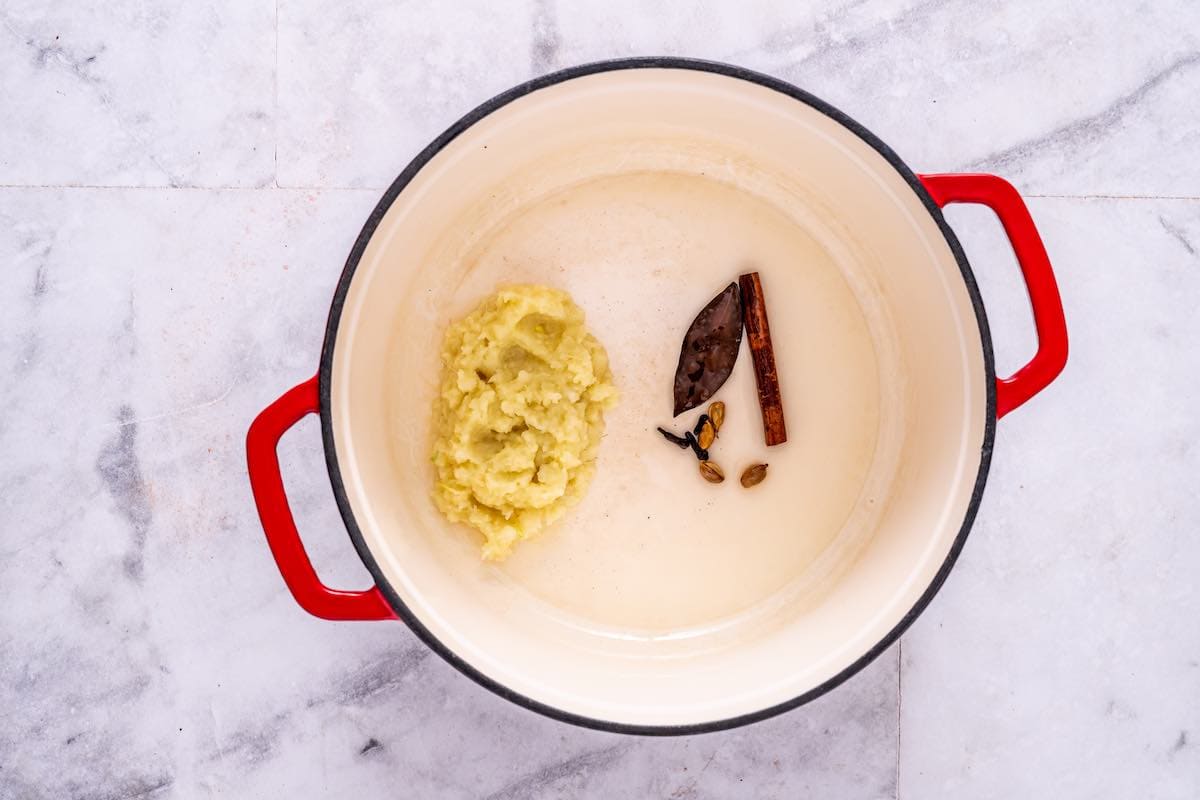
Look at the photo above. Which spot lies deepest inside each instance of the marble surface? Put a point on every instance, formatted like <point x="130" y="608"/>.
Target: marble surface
<point x="179" y="185"/>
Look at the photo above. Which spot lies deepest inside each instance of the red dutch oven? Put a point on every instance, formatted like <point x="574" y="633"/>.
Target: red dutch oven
<point x="663" y="604"/>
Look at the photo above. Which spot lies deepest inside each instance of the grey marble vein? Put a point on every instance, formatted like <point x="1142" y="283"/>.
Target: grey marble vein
<point x="1177" y="234"/>
<point x="543" y="56"/>
<point x="382" y="675"/>
<point x="121" y="472"/>
<point x="1087" y="131"/>
<point x="135" y="94"/>
<point x="46" y="54"/>
<point x="560" y="776"/>
<point x="136" y="789"/>
<point x="831" y="44"/>
<point x="255" y="742"/>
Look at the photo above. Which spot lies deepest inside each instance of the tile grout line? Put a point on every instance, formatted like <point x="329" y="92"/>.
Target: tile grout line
<point x="1188" y="197"/>
<point x="899" y="707"/>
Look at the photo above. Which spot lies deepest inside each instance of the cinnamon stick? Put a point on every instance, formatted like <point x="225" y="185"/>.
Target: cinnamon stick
<point x="766" y="375"/>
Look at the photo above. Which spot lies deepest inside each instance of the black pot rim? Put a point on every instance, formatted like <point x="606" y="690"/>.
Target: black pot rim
<point x="339" y="298"/>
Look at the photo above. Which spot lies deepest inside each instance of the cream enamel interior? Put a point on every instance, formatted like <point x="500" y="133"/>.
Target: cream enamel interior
<point x="662" y="600"/>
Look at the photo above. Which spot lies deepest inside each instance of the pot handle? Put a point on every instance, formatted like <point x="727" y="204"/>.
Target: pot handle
<point x="1000" y="196"/>
<point x="265" y="481"/>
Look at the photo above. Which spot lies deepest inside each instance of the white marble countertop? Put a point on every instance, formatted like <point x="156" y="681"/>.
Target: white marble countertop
<point x="179" y="186"/>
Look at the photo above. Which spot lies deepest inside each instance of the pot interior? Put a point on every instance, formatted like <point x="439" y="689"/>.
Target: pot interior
<point x="662" y="599"/>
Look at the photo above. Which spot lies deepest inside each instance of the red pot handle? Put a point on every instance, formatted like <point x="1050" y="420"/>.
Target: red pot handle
<point x="1000" y="196"/>
<point x="265" y="481"/>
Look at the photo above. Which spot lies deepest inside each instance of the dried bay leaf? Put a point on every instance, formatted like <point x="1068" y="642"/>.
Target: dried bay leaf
<point x="709" y="351"/>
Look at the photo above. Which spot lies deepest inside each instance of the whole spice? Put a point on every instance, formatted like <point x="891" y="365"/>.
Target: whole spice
<point x="754" y="475"/>
<point x="711" y="472"/>
<point x="716" y="412"/>
<point x="710" y="348"/>
<point x="687" y="440"/>
<point x="766" y="375"/>
<point x="708" y="432"/>
<point x="678" y="441"/>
